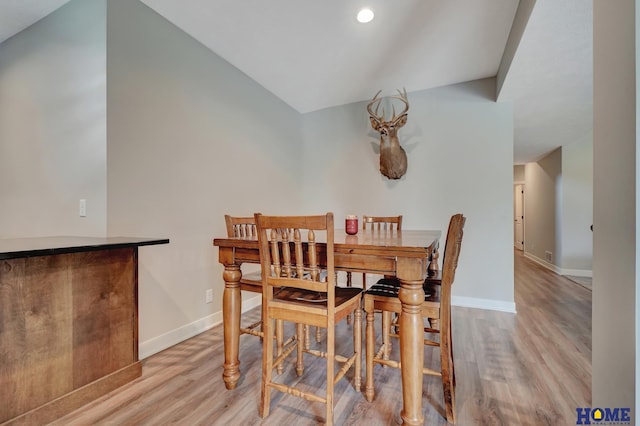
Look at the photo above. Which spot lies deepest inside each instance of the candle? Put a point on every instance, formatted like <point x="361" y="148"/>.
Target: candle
<point x="351" y="224"/>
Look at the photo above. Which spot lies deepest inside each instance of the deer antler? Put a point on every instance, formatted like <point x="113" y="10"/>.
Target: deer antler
<point x="372" y="114"/>
<point x="403" y="97"/>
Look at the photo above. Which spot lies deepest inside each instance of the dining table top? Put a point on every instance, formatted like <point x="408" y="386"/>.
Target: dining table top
<point x="403" y="240"/>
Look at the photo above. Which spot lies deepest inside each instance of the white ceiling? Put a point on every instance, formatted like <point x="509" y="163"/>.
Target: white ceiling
<point x="16" y="15"/>
<point x="550" y="80"/>
<point x="313" y="54"/>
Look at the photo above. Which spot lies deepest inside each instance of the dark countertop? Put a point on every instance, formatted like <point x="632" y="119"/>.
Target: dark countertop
<point x="12" y="248"/>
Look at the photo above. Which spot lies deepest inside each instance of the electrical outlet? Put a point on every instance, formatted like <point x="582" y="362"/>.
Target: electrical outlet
<point x="548" y="256"/>
<point x="83" y="208"/>
<point x="208" y="297"/>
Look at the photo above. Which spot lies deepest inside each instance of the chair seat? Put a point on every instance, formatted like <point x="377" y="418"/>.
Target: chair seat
<point x="389" y="287"/>
<point x="254" y="278"/>
<point x="252" y="282"/>
<point x="434" y="277"/>
<point x="314" y="298"/>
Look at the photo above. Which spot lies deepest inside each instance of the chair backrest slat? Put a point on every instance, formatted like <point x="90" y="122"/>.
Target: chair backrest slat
<point x="241" y="227"/>
<point x="286" y="252"/>
<point x="382" y="223"/>
<point x="297" y="242"/>
<point x="275" y="253"/>
<point x="293" y="239"/>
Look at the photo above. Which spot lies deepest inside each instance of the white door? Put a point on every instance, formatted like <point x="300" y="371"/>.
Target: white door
<point x="518" y="197"/>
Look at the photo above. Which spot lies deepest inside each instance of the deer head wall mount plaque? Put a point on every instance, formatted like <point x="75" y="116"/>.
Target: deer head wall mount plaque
<point x="393" y="158"/>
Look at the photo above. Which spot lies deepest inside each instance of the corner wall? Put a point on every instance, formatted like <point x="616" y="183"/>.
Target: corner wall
<point x="543" y="193"/>
<point x="559" y="209"/>
<point x="191" y="138"/>
<point x="53" y="124"/>
<point x="459" y="144"/>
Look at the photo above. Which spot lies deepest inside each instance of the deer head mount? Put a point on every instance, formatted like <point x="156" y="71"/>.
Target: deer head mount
<point x="393" y="158"/>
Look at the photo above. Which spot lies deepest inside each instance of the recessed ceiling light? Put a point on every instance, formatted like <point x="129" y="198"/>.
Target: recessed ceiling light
<point x="365" y="15"/>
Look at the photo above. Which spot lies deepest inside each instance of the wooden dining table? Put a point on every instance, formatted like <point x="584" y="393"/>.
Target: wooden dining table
<point x="406" y="254"/>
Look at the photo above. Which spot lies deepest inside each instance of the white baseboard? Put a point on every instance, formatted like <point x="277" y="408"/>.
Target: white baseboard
<point x="492" y="305"/>
<point x="558" y="270"/>
<point x="173" y="337"/>
<point x="586" y="273"/>
<point x="544" y="263"/>
<point x="180" y="334"/>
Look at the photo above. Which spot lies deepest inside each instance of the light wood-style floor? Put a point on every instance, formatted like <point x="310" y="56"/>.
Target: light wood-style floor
<point x="533" y="368"/>
<point x="586" y="282"/>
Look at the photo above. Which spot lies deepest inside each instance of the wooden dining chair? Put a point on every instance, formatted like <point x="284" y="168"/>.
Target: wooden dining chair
<point x="294" y="291"/>
<point x="241" y="227"/>
<point x="245" y="227"/>
<point x="437" y="304"/>
<point x="380" y="224"/>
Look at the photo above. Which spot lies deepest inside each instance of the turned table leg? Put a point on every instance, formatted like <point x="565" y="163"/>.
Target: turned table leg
<point x="411" y="295"/>
<point x="231" y="307"/>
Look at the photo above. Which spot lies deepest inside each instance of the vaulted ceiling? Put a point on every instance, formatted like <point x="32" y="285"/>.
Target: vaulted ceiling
<point x="314" y="54"/>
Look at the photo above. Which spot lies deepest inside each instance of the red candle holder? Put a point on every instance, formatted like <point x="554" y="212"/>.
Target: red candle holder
<point x="351" y="224"/>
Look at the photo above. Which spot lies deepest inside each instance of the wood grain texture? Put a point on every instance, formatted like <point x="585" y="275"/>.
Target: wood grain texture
<point x="68" y="324"/>
<point x="35" y="332"/>
<point x="103" y="313"/>
<point x="532" y="368"/>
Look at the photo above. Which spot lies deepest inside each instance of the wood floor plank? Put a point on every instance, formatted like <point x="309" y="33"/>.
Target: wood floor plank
<point x="531" y="368"/>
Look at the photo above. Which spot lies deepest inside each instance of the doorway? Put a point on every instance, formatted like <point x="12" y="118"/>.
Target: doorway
<point x="518" y="216"/>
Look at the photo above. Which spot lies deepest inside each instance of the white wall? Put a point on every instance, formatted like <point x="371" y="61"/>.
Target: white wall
<point x="459" y="144"/>
<point x="518" y="173"/>
<point x="543" y="182"/>
<point x="577" y="208"/>
<point x="614" y="199"/>
<point x="52" y="124"/>
<point x="191" y="138"/>
<point x="559" y="209"/>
